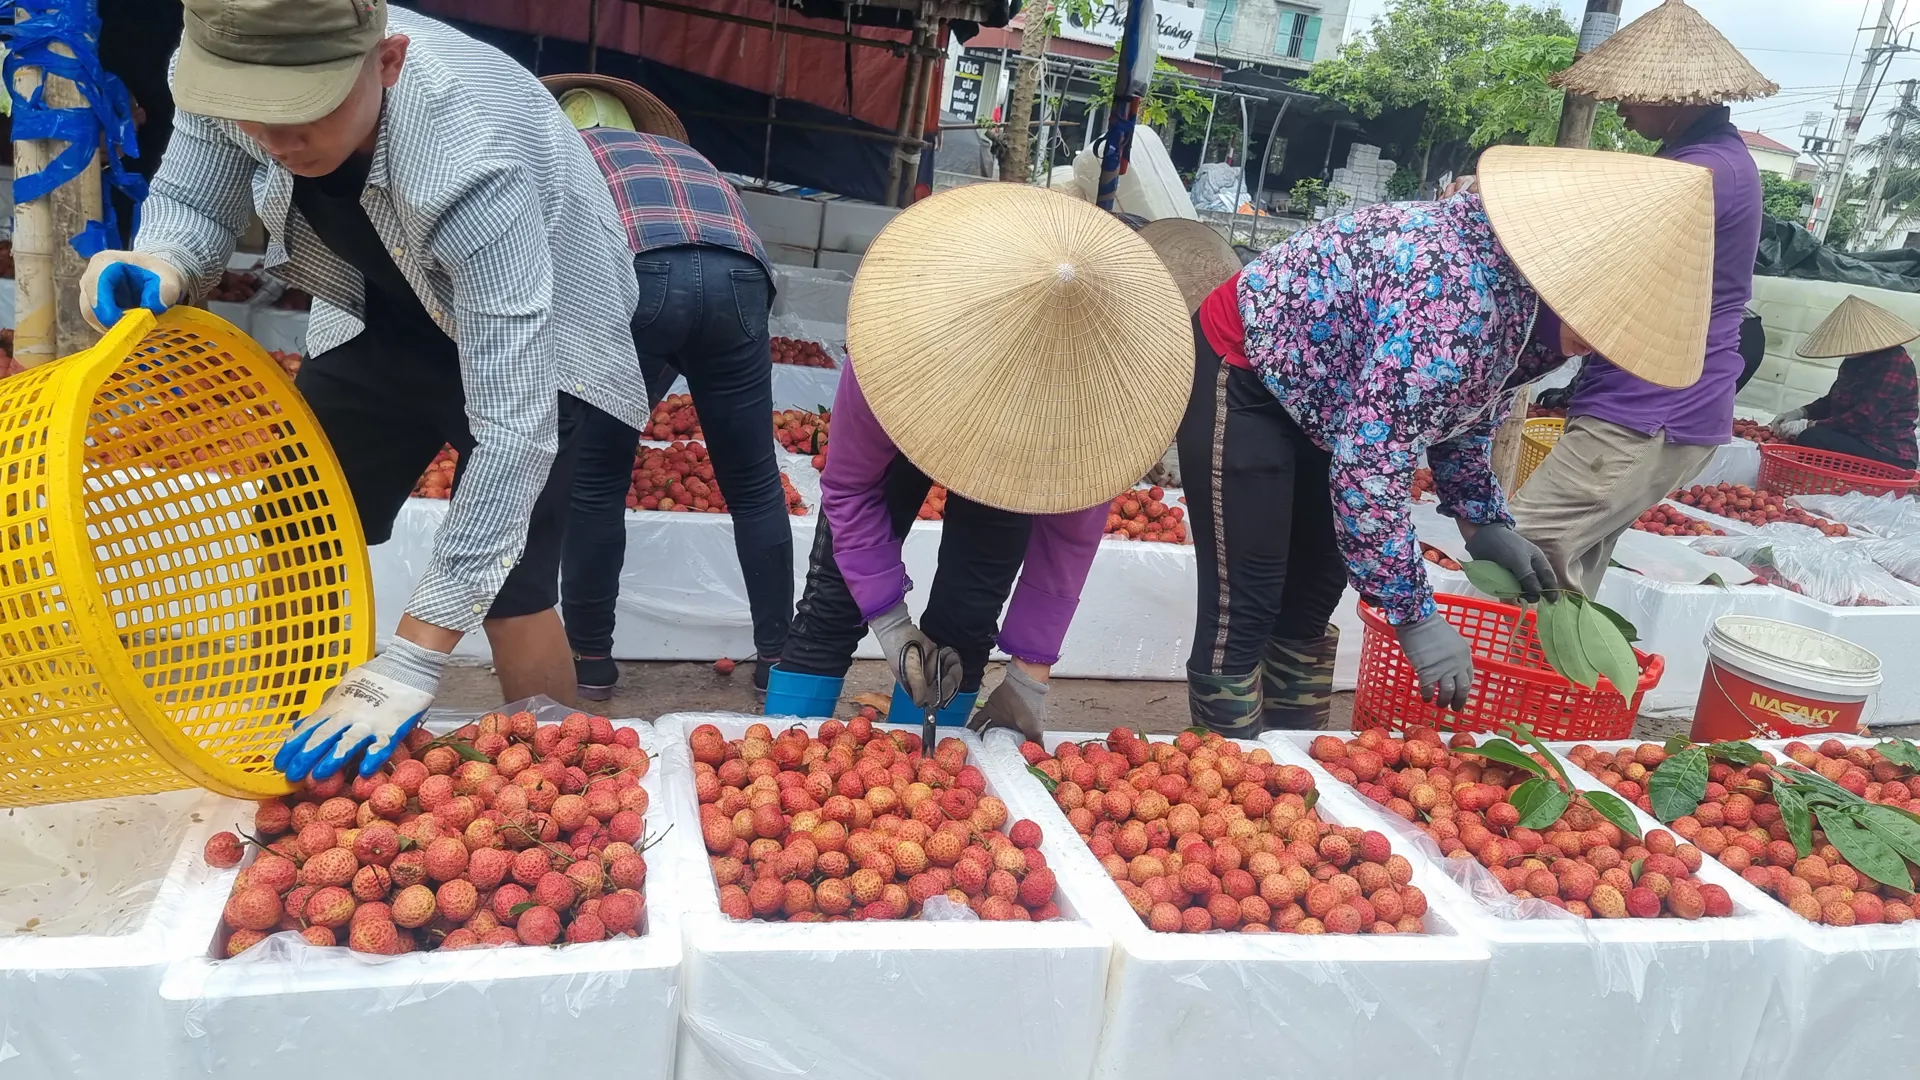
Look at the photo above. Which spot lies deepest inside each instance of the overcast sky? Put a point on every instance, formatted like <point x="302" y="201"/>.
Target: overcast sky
<point x="1810" y="47"/>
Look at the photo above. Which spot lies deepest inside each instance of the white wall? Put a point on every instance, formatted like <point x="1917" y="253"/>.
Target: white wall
<point x="1772" y="161"/>
<point x="1790" y="309"/>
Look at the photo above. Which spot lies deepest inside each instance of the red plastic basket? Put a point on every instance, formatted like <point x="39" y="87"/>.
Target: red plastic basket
<point x="1802" y="470"/>
<point x="1511" y="680"/>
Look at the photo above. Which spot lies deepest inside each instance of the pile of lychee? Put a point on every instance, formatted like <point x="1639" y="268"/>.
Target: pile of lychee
<point x="679" y="478"/>
<point x="1739" y="824"/>
<point x="1201" y="833"/>
<point x="437" y="481"/>
<point x="1755" y="506"/>
<point x="855" y="823"/>
<point x="1581" y="862"/>
<point x="801" y="431"/>
<point x="1142" y="514"/>
<point x="507" y="832"/>
<point x="800" y="353"/>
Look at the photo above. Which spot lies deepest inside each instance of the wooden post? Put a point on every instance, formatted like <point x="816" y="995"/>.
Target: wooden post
<point x="1506" y="441"/>
<point x="1018" y="165"/>
<point x="48" y="318"/>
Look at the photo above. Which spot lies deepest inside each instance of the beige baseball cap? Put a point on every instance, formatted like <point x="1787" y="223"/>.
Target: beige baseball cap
<point x="273" y="61"/>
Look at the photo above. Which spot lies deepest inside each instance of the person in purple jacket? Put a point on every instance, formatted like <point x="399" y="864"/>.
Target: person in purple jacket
<point x="1034" y="386"/>
<point x="1627" y="441"/>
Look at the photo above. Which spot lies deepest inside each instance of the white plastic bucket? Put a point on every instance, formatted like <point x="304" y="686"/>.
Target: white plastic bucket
<point x="1771" y="679"/>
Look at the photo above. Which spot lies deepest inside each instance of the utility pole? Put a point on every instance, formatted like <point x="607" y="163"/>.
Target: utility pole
<point x="1836" y="179"/>
<point x="1576" y="112"/>
<point x="1876" y="205"/>
<point x="1018" y="163"/>
<point x="49" y="322"/>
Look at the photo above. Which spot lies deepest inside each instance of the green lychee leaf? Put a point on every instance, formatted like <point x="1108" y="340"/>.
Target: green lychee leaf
<point x="1865" y="850"/>
<point x="1636" y="868"/>
<point x="1676" y="743"/>
<point x="1678" y="784"/>
<point x="1900" y="752"/>
<point x="1619" y="621"/>
<point x="1900" y="832"/>
<point x="1493" y="579"/>
<point x="467" y="751"/>
<point x="1614" y="809"/>
<point x="1540" y="802"/>
<point x="1736" y="753"/>
<point x="1046" y="781"/>
<point x="1504" y="752"/>
<point x="521" y="908"/>
<point x="1524" y="732"/>
<point x="1311" y="798"/>
<point x="406" y="842"/>
<point x="1606" y="648"/>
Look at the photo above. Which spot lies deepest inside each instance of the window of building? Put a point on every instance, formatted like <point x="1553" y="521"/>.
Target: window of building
<point x="1299" y="35"/>
<point x="1217" y="29"/>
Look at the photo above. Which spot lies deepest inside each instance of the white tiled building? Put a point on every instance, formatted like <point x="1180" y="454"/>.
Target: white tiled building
<point x="1288" y="35"/>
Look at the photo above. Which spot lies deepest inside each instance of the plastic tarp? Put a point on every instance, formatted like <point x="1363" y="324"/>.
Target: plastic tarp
<point x="1694" y="994"/>
<point x="91" y="898"/>
<point x="1242" y="1005"/>
<point x="1787" y="250"/>
<point x="289" y="1009"/>
<point x="933" y="1000"/>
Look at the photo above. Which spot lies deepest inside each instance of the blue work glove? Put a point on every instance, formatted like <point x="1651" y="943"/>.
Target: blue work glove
<point x="1526" y="562"/>
<point x="365" y="716"/>
<point x="1442" y="661"/>
<point x="118" y="281"/>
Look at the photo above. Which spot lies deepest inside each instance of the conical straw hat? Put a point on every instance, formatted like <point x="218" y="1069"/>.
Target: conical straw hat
<point x="1619" y="245"/>
<point x="1021" y="347"/>
<point x="1670" y="56"/>
<point x="645" y="113"/>
<point x="1198" y="257"/>
<point x="1857" y="326"/>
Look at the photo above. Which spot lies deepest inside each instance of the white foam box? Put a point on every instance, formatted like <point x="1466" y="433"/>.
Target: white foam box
<point x="887" y="1001"/>
<point x="1243" y="1005"/>
<point x="1890" y="634"/>
<point x="783" y="219"/>
<point x="849" y="226"/>
<point x="790" y="255"/>
<point x="838" y="260"/>
<point x="85" y="1005"/>
<point x="1852" y="998"/>
<point x="298" y="1011"/>
<point x="814" y="294"/>
<point x="1663" y="997"/>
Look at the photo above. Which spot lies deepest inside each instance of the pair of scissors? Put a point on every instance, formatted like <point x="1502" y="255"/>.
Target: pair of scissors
<point x="942" y="694"/>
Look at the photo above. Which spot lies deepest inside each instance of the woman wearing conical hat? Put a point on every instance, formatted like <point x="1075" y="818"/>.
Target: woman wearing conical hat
<point x="1875" y="401"/>
<point x="1034" y="386"/>
<point x="1329" y="364"/>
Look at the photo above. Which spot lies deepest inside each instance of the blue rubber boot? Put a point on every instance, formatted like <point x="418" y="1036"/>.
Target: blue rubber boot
<point x="790" y="693"/>
<point x="902" y="710"/>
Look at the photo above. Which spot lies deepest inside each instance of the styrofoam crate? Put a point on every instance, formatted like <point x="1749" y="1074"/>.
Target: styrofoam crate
<point x="783" y="219"/>
<point x="866" y="1000"/>
<point x="293" y="1012"/>
<point x="86" y="1005"/>
<point x="1245" y="1005"/>
<point x="849" y="226"/>
<point x="1667" y="997"/>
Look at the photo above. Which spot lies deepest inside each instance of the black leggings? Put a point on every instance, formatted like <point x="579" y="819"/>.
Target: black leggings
<point x="1262" y="520"/>
<point x="981" y="550"/>
<point x="1822" y="437"/>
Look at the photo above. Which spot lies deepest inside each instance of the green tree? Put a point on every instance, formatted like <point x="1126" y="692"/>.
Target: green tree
<point x="1168" y="96"/>
<point x="1784" y="198"/>
<point x="1515" y="103"/>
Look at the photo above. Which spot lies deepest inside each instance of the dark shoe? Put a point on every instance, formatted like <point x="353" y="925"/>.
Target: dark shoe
<point x="762" y="668"/>
<point x="1228" y="704"/>
<point x="1296" y="682"/>
<point x="595" y="677"/>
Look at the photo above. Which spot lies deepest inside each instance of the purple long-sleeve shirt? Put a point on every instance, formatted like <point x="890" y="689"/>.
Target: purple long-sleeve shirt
<point x="1701" y="414"/>
<point x="853" y="497"/>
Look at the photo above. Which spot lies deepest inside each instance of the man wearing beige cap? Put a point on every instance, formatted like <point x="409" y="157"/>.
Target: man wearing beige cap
<point x="472" y="285"/>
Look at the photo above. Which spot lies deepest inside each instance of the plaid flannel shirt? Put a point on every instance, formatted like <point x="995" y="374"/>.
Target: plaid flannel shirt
<point x="1876" y="399"/>
<point x="492" y="208"/>
<point x="669" y="195"/>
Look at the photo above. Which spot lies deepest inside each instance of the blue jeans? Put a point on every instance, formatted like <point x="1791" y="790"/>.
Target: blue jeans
<point x="703" y="314"/>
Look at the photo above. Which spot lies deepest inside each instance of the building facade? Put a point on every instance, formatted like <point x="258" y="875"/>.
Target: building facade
<point x="1288" y="36"/>
<point x="1770" y="155"/>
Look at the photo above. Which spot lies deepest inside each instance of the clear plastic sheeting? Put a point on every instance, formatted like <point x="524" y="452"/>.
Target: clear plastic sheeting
<point x="1664" y="997"/>
<point x="292" y="1010"/>
<point x="1802" y="559"/>
<point x="1669" y="559"/>
<point x="91" y="896"/>
<point x="883" y="1000"/>
<point x="1244" y="1005"/>
<point x="1897" y="555"/>
<point x="1733" y="462"/>
<point x="1881" y="515"/>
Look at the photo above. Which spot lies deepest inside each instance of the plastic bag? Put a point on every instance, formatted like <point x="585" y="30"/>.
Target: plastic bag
<point x="1218" y="186"/>
<point x="1800" y="559"/>
<point x="1884" y="515"/>
<point x="1898" y="555"/>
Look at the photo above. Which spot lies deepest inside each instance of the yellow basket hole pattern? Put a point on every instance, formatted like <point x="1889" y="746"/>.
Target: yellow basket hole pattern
<point x="169" y="617"/>
<point x="1537" y="439"/>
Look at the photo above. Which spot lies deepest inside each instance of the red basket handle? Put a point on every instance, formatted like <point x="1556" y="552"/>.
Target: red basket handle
<point x="1650" y="674"/>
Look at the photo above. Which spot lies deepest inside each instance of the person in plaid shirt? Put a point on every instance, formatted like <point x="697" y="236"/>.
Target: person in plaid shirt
<point x="704" y="293"/>
<point x="1874" y="403"/>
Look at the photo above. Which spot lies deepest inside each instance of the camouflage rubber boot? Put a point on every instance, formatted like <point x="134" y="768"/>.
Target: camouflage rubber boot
<point x="1228" y="704"/>
<point x="1296" y="682"/>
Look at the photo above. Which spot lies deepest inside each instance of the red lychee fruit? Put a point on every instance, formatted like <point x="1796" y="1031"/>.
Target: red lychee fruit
<point x="223" y="851"/>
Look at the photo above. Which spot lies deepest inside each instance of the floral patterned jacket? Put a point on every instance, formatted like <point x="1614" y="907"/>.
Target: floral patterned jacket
<point x="1386" y="332"/>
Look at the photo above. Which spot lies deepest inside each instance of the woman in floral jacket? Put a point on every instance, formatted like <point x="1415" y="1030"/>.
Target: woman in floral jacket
<point x="1332" y="362"/>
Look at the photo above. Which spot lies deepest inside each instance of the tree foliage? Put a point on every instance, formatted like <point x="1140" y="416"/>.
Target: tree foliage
<point x="1478" y="68"/>
<point x="1784" y="198"/>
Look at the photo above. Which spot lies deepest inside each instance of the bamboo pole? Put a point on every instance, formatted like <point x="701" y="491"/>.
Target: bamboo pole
<point x="48" y="318"/>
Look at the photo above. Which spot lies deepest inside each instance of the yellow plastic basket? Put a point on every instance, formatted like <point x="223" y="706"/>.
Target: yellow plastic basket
<point x="182" y="572"/>
<point x="1537" y="439"/>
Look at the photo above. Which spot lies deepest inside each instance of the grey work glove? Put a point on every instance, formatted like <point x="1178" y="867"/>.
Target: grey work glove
<point x="1442" y="661"/>
<point x="1519" y="555"/>
<point x="1789" y="417"/>
<point x="915" y="669"/>
<point x="1020" y="702"/>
